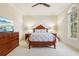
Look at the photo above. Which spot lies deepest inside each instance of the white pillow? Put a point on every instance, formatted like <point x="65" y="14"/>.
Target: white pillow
<point x="37" y="31"/>
<point x="40" y="30"/>
<point x="43" y="30"/>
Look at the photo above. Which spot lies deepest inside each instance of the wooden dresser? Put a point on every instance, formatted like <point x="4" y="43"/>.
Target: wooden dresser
<point x="8" y="41"/>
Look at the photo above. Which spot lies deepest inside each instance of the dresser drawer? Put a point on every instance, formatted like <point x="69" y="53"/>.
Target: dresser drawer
<point x="8" y="41"/>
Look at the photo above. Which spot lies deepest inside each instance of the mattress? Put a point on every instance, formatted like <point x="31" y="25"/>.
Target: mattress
<point x="42" y="37"/>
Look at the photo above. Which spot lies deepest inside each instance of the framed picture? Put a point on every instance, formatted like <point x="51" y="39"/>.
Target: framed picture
<point x="6" y="25"/>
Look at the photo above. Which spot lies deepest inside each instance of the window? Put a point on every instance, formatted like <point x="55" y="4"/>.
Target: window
<point x="72" y="23"/>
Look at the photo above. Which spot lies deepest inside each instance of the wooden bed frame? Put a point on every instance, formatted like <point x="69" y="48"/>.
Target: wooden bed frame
<point x="38" y="43"/>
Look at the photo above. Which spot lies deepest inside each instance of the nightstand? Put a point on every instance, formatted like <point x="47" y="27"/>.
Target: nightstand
<point x="54" y="34"/>
<point x="27" y="35"/>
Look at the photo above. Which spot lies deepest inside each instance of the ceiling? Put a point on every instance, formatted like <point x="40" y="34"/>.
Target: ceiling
<point x="54" y="9"/>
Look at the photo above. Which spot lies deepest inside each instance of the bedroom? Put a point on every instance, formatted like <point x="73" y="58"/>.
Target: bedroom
<point x="54" y="18"/>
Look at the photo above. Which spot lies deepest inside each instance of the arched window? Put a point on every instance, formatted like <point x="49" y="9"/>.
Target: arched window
<point x="72" y="22"/>
<point x="6" y="25"/>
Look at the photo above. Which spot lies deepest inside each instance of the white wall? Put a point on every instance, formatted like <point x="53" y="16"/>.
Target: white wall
<point x="31" y="20"/>
<point x="63" y="29"/>
<point x="9" y="12"/>
<point x="18" y="25"/>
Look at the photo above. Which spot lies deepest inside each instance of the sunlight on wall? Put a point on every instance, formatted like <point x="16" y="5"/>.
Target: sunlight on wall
<point x="52" y="28"/>
<point x="28" y="28"/>
<point x="29" y="22"/>
<point x="40" y="22"/>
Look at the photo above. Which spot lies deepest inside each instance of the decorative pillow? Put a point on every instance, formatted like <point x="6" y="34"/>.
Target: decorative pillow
<point x="43" y="30"/>
<point x="40" y="31"/>
<point x="37" y="31"/>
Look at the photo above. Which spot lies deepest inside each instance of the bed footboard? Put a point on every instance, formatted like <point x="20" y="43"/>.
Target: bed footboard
<point x="41" y="44"/>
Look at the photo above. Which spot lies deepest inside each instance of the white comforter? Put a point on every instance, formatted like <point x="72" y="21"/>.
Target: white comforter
<point x="42" y="37"/>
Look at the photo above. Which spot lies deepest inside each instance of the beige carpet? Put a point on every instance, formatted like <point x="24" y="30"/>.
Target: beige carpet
<point x="61" y="50"/>
<point x="23" y="43"/>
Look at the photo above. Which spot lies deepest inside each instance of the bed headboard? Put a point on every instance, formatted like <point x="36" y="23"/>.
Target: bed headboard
<point x="40" y="27"/>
